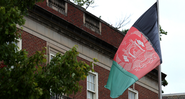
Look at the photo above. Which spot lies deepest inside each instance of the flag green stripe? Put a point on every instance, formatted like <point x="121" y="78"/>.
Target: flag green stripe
<point x="119" y="80"/>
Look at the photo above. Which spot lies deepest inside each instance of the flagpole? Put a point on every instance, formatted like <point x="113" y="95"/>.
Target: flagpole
<point x="159" y="67"/>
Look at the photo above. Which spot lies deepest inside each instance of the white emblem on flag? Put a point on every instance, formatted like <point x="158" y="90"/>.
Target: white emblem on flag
<point x="136" y="52"/>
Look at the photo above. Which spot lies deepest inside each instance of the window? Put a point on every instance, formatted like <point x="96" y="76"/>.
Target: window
<point x="55" y="96"/>
<point x="92" y="23"/>
<point x="92" y="85"/>
<point x="132" y="94"/>
<point x="51" y="56"/>
<point x="19" y="44"/>
<point x="52" y="53"/>
<point x="58" y="5"/>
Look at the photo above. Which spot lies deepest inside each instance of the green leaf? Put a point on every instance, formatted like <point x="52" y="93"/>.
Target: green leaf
<point x="2" y="10"/>
<point x="16" y="89"/>
<point x="73" y="74"/>
<point x="39" y="69"/>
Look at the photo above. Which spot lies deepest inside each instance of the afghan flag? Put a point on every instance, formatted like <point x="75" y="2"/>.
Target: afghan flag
<point x="137" y="55"/>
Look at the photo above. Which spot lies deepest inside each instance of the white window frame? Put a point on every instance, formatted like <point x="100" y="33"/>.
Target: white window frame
<point x="56" y="96"/>
<point x="133" y="91"/>
<point x="96" y="85"/>
<point x="19" y="44"/>
<point x="51" y="54"/>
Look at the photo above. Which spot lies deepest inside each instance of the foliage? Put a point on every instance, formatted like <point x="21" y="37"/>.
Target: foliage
<point x="125" y="31"/>
<point x="31" y="77"/>
<point x="22" y="76"/>
<point x="63" y="74"/>
<point x="164" y="83"/>
<point x="84" y="3"/>
<point x="19" y="78"/>
<point x="11" y="14"/>
<point x="162" y="32"/>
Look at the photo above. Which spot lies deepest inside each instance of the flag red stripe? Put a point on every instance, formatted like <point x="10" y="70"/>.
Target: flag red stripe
<point x="136" y="54"/>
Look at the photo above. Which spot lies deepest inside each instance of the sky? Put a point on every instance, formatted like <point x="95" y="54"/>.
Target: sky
<point x="171" y="18"/>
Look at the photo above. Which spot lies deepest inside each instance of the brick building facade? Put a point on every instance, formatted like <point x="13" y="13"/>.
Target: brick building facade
<point x="59" y="25"/>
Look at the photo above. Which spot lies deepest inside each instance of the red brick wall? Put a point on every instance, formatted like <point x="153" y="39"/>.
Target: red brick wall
<point x="102" y="80"/>
<point x="32" y="43"/>
<point x="145" y="93"/>
<point x="104" y="93"/>
<point x="75" y="16"/>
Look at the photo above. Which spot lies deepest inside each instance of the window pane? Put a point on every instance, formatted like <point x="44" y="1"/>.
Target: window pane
<point x="90" y="86"/>
<point x="93" y="87"/>
<point x="92" y="79"/>
<point x="91" y="82"/>
<point x="90" y="95"/>
<point x="131" y="95"/>
<point x="89" y="79"/>
<point x="51" y="57"/>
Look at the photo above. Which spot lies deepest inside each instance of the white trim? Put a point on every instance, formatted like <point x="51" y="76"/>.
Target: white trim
<point x="47" y="2"/>
<point x="83" y="18"/>
<point x="134" y="91"/>
<point x="19" y="44"/>
<point x="66" y="8"/>
<point x="96" y="84"/>
<point x="51" y="54"/>
<point x="100" y="27"/>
